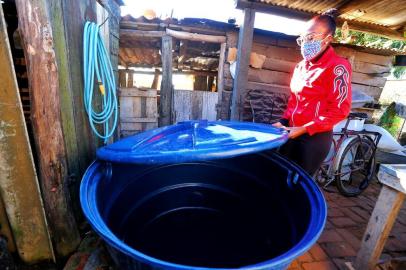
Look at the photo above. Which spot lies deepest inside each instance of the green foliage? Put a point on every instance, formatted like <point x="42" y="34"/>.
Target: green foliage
<point x="391" y="121"/>
<point x="369" y="40"/>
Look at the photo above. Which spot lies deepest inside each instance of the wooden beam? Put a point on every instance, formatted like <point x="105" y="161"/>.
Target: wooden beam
<point x="19" y="189"/>
<point x="302" y="15"/>
<point x="195" y="37"/>
<point x="37" y="37"/>
<point x="220" y="78"/>
<point x="379" y="226"/>
<point x="243" y="58"/>
<point x="186" y="72"/>
<point x="124" y="33"/>
<point x="166" y="98"/>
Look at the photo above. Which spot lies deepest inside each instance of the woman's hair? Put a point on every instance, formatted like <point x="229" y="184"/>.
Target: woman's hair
<point x="329" y="19"/>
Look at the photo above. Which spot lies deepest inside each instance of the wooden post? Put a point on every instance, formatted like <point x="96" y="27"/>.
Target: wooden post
<point x="379" y="226"/>
<point x="154" y="84"/>
<point x="243" y="58"/>
<point x="390" y="200"/>
<point x="220" y="78"/>
<point x="37" y="37"/>
<point x="18" y="182"/>
<point x="166" y="98"/>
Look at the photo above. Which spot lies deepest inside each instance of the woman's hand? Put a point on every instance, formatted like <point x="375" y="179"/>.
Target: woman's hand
<point x="278" y="125"/>
<point x="295" y="132"/>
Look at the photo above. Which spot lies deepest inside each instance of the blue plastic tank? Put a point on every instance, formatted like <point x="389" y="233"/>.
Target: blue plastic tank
<point x="202" y="195"/>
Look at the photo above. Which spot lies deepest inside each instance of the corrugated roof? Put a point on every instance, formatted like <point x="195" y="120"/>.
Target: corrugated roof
<point x="382" y="12"/>
<point x="382" y="17"/>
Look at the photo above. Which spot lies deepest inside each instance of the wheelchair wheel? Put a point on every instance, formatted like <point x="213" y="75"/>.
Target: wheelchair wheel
<point x="356" y="167"/>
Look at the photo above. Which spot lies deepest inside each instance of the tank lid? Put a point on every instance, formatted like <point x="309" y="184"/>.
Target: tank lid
<point x="194" y="141"/>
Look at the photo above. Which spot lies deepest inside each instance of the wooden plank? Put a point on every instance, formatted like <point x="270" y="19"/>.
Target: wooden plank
<point x="37" y="38"/>
<point x="19" y="187"/>
<point x="137" y="120"/>
<point x="366" y="79"/>
<point x="151" y="111"/>
<point x="139" y="34"/>
<point x="67" y="106"/>
<point x="394" y="176"/>
<point x="241" y="78"/>
<point x="220" y="76"/>
<point x="197" y="104"/>
<point x="209" y="102"/>
<point x="166" y="94"/>
<point x="379" y="226"/>
<point x="195" y="37"/>
<point x="135" y="92"/>
<point x="75" y="13"/>
<point x="182" y="105"/>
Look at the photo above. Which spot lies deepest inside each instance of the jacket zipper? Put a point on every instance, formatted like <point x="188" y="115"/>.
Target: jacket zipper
<point x="297" y="104"/>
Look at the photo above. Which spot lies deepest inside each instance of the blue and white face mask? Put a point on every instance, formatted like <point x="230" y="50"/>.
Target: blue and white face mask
<point x="310" y="49"/>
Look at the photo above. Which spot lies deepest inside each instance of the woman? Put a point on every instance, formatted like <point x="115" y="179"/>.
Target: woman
<point x="320" y="95"/>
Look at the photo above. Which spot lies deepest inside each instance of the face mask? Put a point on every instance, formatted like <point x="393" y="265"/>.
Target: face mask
<point x="310" y="49"/>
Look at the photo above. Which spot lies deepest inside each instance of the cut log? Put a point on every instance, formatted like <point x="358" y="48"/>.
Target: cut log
<point x="381" y="60"/>
<point x="369" y="68"/>
<point x="274" y="52"/>
<point x="263" y="76"/>
<point x="372" y="91"/>
<point x="279" y="65"/>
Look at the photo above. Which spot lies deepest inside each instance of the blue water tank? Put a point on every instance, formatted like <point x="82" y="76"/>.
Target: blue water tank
<point x="202" y="195"/>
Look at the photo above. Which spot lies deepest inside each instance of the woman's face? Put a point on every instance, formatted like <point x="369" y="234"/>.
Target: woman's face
<point x="316" y="31"/>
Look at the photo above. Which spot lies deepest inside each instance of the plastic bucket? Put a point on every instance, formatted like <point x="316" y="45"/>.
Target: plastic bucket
<point x="256" y="211"/>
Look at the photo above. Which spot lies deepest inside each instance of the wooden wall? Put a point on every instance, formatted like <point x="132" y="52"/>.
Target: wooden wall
<point x="268" y="88"/>
<point x="55" y="92"/>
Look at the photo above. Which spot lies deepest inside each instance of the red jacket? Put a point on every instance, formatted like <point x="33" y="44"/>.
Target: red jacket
<point x="320" y="93"/>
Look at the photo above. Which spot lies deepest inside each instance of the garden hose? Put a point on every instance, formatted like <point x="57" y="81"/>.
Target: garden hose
<point x="96" y="60"/>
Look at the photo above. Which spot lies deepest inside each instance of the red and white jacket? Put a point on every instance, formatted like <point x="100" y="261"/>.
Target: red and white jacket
<point x="320" y="93"/>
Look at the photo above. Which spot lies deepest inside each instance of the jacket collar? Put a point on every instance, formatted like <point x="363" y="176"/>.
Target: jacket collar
<point x="326" y="56"/>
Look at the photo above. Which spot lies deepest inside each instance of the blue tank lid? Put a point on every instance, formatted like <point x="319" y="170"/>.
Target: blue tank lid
<point x="194" y="141"/>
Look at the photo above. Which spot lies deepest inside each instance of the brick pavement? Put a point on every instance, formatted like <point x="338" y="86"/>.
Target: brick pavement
<point x="346" y="222"/>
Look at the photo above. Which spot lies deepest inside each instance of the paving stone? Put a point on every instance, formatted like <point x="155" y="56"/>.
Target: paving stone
<point x="318" y="253"/>
<point x="338" y="249"/>
<point x="330" y="236"/>
<point x="327" y="265"/>
<point x="342" y="222"/>
<point x="350" y="238"/>
<point x="305" y="258"/>
<point x="355" y="217"/>
<point x="294" y="265"/>
<point x="335" y="212"/>
<point x="361" y="212"/>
